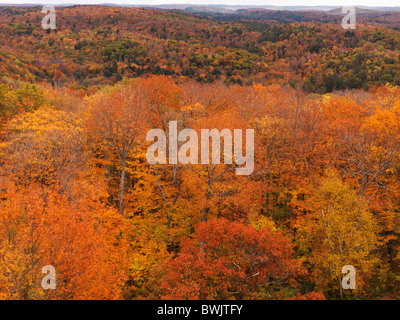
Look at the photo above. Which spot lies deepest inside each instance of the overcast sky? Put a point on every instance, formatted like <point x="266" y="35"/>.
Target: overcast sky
<point x="389" y="3"/>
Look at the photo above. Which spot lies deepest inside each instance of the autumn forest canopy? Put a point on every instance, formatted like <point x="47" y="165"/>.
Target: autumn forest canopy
<point x="77" y="191"/>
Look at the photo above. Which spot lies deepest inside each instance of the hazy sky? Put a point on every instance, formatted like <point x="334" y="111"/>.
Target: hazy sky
<point x="389" y="3"/>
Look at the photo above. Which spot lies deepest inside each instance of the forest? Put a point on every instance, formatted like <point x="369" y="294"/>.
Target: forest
<point x="77" y="192"/>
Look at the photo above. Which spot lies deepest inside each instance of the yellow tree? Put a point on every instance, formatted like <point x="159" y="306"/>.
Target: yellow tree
<point x="47" y="146"/>
<point x="330" y="238"/>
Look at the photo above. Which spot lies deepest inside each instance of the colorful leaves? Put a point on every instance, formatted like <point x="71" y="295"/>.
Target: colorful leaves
<point x="235" y="262"/>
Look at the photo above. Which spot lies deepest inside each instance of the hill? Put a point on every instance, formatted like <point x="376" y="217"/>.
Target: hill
<point x="95" y="45"/>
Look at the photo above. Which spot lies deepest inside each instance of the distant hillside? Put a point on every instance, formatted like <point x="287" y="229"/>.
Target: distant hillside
<point x="96" y="45"/>
<point x="209" y="9"/>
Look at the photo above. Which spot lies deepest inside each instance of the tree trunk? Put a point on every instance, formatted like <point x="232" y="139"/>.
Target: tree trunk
<point x="122" y="187"/>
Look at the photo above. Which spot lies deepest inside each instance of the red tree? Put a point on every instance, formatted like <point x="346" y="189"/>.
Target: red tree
<point x="238" y="262"/>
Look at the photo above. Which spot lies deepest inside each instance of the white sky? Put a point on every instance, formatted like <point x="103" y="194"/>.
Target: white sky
<point x="380" y="3"/>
